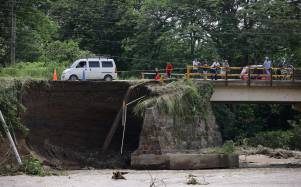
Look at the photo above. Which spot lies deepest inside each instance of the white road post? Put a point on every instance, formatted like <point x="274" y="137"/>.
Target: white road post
<point x="10" y="139"/>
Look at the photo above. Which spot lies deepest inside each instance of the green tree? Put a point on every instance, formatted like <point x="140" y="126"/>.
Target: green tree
<point x="34" y="29"/>
<point x="4" y="33"/>
<point x="150" y="33"/>
<point x="66" y="51"/>
<point x="94" y="24"/>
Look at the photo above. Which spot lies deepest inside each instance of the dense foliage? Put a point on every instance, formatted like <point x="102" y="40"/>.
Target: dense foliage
<point x="275" y="126"/>
<point x="31" y="166"/>
<point x="10" y="106"/>
<point x="150" y="33"/>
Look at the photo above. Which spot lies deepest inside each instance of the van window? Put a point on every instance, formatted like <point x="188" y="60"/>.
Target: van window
<point x="81" y="64"/>
<point x="94" y="64"/>
<point x="107" y="64"/>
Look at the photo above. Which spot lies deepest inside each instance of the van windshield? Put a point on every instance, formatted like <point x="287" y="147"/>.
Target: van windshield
<point x="80" y="64"/>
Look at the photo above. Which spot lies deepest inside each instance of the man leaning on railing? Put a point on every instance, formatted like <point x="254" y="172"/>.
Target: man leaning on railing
<point x="225" y="68"/>
<point x="214" y="69"/>
<point x="205" y="69"/>
<point x="267" y="65"/>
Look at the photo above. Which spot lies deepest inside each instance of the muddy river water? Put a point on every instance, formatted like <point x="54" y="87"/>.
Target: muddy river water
<point x="223" y="177"/>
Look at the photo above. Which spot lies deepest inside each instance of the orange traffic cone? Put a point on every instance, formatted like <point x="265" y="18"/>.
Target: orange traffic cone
<point x="54" y="75"/>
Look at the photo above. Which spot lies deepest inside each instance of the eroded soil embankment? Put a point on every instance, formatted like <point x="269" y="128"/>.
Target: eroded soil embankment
<point x="69" y="121"/>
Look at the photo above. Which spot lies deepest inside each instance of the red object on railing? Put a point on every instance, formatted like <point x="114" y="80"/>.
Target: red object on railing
<point x="158" y="77"/>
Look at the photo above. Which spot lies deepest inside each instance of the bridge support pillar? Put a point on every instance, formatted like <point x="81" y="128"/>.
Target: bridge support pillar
<point x="297" y="107"/>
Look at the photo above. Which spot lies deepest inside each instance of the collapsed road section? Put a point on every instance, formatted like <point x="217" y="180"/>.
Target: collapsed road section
<point x="69" y="123"/>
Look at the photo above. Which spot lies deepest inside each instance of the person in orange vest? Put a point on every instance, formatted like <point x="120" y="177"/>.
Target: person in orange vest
<point x="169" y="69"/>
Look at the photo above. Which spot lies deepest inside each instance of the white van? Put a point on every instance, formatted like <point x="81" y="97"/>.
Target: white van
<point x="91" y="68"/>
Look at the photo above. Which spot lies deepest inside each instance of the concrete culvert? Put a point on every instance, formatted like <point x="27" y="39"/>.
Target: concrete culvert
<point x="69" y="121"/>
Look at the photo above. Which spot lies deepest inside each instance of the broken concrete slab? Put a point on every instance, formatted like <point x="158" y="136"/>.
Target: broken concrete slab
<point x="184" y="161"/>
<point x="150" y="161"/>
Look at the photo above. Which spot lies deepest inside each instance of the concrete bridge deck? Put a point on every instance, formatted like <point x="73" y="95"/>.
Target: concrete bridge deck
<point x="277" y="91"/>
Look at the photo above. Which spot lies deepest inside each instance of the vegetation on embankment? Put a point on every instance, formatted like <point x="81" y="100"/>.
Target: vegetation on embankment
<point x="182" y="99"/>
<point x="10" y="105"/>
<point x="34" y="70"/>
<point x="30" y="166"/>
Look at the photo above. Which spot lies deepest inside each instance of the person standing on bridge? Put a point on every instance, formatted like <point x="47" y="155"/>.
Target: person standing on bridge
<point x="267" y="65"/>
<point x="205" y="69"/>
<point x="168" y="70"/>
<point x="214" y="69"/>
<point x="195" y="64"/>
<point x="225" y="68"/>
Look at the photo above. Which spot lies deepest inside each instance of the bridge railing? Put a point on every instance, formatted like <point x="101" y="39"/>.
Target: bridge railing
<point x="243" y="73"/>
<point x="176" y="73"/>
<point x="246" y="73"/>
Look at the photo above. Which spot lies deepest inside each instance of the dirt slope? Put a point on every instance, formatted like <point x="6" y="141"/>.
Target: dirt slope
<point x="69" y="121"/>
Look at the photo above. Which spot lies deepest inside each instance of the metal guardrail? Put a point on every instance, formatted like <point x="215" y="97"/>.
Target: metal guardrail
<point x="238" y="73"/>
<point x="177" y="75"/>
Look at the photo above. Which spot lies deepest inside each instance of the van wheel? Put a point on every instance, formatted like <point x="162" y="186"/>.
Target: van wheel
<point x="73" y="78"/>
<point x="108" y="78"/>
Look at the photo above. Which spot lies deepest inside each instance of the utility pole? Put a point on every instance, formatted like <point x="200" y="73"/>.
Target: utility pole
<point x="13" y="33"/>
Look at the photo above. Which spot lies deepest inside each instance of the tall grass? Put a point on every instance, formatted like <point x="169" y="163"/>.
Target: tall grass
<point x="32" y="70"/>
